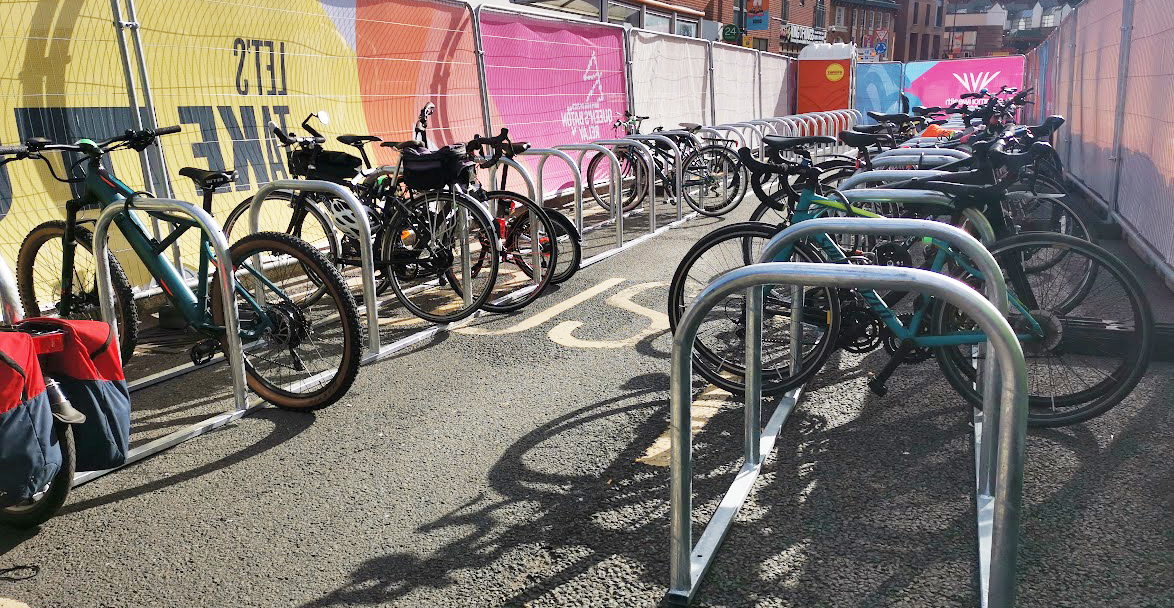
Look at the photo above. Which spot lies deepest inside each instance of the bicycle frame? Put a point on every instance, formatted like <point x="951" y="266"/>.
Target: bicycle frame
<point x="876" y="304"/>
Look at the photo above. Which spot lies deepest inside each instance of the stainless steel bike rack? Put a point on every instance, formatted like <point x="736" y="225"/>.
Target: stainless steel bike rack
<point x="10" y="306"/>
<point x="755" y="129"/>
<point x="366" y="254"/>
<point x="726" y="128"/>
<point x="576" y="178"/>
<point x="678" y="174"/>
<point x="689" y="564"/>
<point x="645" y="154"/>
<point x="958" y="154"/>
<point x="881" y="176"/>
<point x="531" y="190"/>
<point x="227" y="280"/>
<point x="932" y="160"/>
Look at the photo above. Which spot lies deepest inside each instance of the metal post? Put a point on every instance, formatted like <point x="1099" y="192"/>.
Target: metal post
<point x="688" y="565"/>
<point x="9" y="296"/>
<point x="1075" y="16"/>
<point x="712" y="85"/>
<point x="482" y="74"/>
<point x="366" y="255"/>
<point x="1122" y="90"/>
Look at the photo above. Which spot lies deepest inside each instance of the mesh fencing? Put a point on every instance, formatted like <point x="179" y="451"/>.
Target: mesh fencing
<point x="670" y="78"/>
<point x="778" y="85"/>
<point x="735" y="84"/>
<point x="1098" y="45"/>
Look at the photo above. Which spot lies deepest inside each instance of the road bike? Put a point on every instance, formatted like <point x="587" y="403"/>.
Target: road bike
<point x="299" y="325"/>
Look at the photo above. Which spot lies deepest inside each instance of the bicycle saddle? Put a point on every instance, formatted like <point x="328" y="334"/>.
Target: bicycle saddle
<point x="857" y="139"/>
<point x="1049" y="126"/>
<point x="208" y="180"/>
<point x="871" y="129"/>
<point x="747" y="158"/>
<point x="777" y="143"/>
<point x="691" y="127"/>
<point x="900" y="119"/>
<point x="400" y="145"/>
<point x="357" y="140"/>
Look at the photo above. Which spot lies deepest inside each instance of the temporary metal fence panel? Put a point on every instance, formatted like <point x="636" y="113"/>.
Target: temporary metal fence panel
<point x="1065" y="80"/>
<point x="1147" y="157"/>
<point x="777" y="75"/>
<point x="670" y="79"/>
<point x="735" y="83"/>
<point x="1098" y="42"/>
<point x="878" y="88"/>
<point x="941" y="83"/>
<point x="62" y="78"/>
<point x="553" y="81"/>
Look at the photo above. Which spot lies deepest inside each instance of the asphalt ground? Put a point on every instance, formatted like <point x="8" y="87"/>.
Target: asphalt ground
<point x="518" y="461"/>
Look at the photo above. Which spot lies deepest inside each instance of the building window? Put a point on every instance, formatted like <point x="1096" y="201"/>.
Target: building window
<point x="623" y="13"/>
<point x="820" y="20"/>
<point x="916" y="12"/>
<point x="585" y="8"/>
<point x="657" y="22"/>
<point x="761" y="44"/>
<point x="686" y="28"/>
<point x="740" y="13"/>
<point x="1048" y="20"/>
<point x="1024" y="23"/>
<point x="940" y="11"/>
<point x="840" y="16"/>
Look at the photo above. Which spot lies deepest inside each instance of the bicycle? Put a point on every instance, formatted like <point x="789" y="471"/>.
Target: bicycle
<point x="424" y="237"/>
<point x="1087" y="307"/>
<point x="713" y="180"/>
<point x="299" y="324"/>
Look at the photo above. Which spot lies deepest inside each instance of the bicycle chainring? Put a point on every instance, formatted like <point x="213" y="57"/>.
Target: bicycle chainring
<point x="860" y="331"/>
<point x="892" y="343"/>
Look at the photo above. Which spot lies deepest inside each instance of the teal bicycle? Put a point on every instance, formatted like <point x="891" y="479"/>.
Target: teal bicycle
<point x="1085" y="325"/>
<point x="299" y="325"/>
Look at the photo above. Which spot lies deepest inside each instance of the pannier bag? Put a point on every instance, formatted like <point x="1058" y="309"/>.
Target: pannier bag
<point x="29" y="453"/>
<point x="89" y="370"/>
<point x="329" y="165"/>
<point x="425" y="169"/>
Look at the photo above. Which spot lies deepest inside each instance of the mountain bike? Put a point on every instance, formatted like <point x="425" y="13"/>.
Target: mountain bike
<point x="713" y="178"/>
<point x="299" y="325"/>
<point x="1084" y="322"/>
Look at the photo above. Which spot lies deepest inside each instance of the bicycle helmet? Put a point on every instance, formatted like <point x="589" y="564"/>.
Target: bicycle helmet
<point x="345" y="219"/>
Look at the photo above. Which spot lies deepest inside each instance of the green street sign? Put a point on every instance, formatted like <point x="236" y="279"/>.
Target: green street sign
<point x="730" y="33"/>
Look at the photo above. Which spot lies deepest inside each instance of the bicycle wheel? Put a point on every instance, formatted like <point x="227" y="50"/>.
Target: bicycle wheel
<point x="301" y="351"/>
<point x="570" y="247"/>
<point x="39" y="266"/>
<point x="633" y="180"/>
<point x="770" y="214"/>
<point x="1094" y="336"/>
<point x="713" y="180"/>
<point x="719" y="350"/>
<point x="422" y="256"/>
<point x="527" y="251"/>
<point x="48" y="502"/>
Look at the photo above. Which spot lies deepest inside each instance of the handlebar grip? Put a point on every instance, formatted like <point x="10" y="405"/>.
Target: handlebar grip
<point x="281" y="136"/>
<point x="168" y="130"/>
<point x="13" y="150"/>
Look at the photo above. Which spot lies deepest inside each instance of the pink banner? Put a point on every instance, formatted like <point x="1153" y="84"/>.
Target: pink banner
<point x="941" y="83"/>
<point x="553" y="82"/>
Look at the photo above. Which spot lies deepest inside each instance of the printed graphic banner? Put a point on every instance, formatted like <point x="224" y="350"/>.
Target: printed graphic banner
<point x="878" y="88"/>
<point x="553" y="82"/>
<point x="941" y="83"/>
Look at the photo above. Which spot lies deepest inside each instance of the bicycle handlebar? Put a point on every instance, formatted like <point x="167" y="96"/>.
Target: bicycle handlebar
<point x="289" y="139"/>
<point x="13" y="150"/>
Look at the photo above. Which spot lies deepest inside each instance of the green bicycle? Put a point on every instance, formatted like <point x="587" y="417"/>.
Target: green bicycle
<point x="299" y="325"/>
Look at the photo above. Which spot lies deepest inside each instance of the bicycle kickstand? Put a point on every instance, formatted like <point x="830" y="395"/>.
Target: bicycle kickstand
<point x="877" y="384"/>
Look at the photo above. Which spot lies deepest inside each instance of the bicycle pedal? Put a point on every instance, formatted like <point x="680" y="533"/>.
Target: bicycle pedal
<point x="203" y="351"/>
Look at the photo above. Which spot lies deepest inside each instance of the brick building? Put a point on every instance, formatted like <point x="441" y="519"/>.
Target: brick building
<point x="866" y="23"/>
<point x="792" y="24"/>
<point x="980" y="28"/>
<point x="920" y="28"/>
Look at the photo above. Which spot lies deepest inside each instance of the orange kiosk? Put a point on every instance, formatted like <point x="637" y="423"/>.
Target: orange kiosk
<point x="825" y="77"/>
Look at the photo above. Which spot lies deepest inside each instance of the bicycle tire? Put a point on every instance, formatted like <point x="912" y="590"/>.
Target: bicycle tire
<point x="728" y="372"/>
<point x="57" y="492"/>
<point x="697" y="168"/>
<point x="570" y="247"/>
<point x="401" y="249"/>
<point x="292" y="326"/>
<point x="124" y="301"/>
<point x="515" y="247"/>
<point x="599" y="172"/>
<point x="1136" y="344"/>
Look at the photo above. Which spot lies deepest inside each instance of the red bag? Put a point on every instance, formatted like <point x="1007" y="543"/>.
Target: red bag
<point x="29" y="453"/>
<point x="89" y="369"/>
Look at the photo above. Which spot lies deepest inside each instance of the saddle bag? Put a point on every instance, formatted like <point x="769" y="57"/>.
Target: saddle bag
<point x="29" y="453"/>
<point x="89" y="370"/>
<point x="329" y="165"/>
<point x="425" y="169"/>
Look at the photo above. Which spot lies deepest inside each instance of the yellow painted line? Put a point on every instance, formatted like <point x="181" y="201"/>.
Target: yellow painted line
<point x="704" y="407"/>
<point x="7" y="603"/>
<point x="546" y="315"/>
<point x="563" y="333"/>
